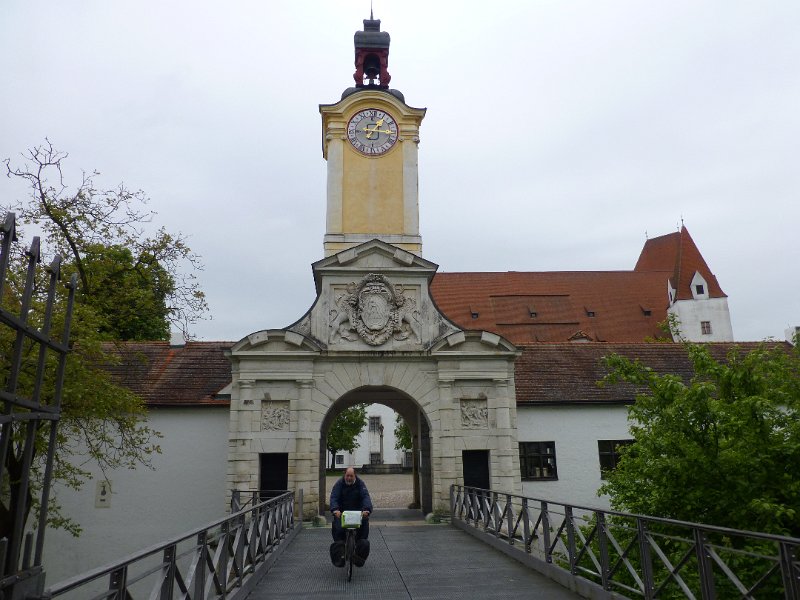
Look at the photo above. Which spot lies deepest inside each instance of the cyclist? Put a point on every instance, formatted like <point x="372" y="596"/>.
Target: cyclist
<point x="350" y="493"/>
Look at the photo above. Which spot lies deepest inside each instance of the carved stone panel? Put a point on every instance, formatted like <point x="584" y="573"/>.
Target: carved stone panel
<point x="275" y="415"/>
<point x="375" y="311"/>
<point x="474" y="414"/>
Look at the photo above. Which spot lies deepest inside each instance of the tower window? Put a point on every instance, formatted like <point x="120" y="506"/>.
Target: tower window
<point x="700" y="289"/>
<point x="705" y="327"/>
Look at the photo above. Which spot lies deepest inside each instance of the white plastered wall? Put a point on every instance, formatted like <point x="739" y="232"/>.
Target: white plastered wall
<point x="185" y="490"/>
<point x="575" y="431"/>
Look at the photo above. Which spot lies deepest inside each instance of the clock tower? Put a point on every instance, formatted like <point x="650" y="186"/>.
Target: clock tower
<point x="370" y="139"/>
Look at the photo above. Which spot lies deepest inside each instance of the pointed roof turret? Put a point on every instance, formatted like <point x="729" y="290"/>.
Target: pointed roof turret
<point x="677" y="252"/>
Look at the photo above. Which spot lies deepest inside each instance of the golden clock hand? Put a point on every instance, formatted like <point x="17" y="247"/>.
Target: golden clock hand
<point x="376" y="130"/>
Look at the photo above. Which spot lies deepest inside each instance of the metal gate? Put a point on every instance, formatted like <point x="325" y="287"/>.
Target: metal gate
<point x="29" y="413"/>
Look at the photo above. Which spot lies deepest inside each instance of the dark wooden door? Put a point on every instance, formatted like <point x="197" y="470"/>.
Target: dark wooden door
<point x="274" y="474"/>
<point x="476" y="468"/>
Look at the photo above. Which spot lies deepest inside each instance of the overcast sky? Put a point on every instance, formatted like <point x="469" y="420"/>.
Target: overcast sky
<point x="559" y="133"/>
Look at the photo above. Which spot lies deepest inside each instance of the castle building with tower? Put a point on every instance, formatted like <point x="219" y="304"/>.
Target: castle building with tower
<point x="494" y="373"/>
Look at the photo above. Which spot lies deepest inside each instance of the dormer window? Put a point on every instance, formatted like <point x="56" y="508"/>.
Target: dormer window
<point x="590" y="313"/>
<point x="699" y="287"/>
<point x="532" y="313"/>
<point x="473" y="313"/>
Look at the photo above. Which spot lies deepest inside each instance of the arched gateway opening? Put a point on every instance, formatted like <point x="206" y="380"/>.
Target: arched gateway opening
<point x="415" y="418"/>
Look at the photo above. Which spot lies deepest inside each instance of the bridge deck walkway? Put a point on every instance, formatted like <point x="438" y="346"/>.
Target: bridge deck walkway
<point x="407" y="561"/>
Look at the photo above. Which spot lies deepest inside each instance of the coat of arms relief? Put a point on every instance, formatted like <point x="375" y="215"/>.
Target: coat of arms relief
<point x="374" y="310"/>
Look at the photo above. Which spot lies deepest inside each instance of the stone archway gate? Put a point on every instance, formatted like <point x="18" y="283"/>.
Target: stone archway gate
<point x="373" y="326"/>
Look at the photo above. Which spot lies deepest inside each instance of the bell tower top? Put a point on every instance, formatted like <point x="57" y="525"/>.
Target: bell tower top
<point x="370" y="139"/>
<point x="372" y="55"/>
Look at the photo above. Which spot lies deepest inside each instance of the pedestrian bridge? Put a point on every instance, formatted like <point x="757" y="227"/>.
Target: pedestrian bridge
<point x="408" y="560"/>
<point x="490" y="545"/>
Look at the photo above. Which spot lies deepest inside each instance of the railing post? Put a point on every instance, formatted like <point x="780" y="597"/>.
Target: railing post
<point x="118" y="583"/>
<point x="570" y="539"/>
<point x="494" y="511"/>
<point x="645" y="560"/>
<point x="790" y="571"/>
<point x="168" y="574"/>
<point x="222" y="566"/>
<point x="548" y="555"/>
<point x="526" y="524"/>
<point x="602" y="541"/>
<point x="200" y="570"/>
<point x="299" y="505"/>
<point x="510" y="519"/>
<point x="452" y="501"/>
<point x="704" y="568"/>
<point x="236" y="503"/>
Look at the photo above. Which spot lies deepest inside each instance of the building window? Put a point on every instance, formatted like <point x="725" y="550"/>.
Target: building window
<point x="609" y="454"/>
<point x="700" y="289"/>
<point x="375" y="424"/>
<point x="705" y="327"/>
<point x="537" y="460"/>
<point x="375" y="458"/>
<point x="340" y="459"/>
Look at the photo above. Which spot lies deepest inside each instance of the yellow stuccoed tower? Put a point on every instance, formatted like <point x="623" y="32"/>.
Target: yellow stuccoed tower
<point x="370" y="139"/>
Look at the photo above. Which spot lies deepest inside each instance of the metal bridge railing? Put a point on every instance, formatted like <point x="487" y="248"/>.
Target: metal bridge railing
<point x="602" y="553"/>
<point x="223" y="559"/>
<point x="30" y="405"/>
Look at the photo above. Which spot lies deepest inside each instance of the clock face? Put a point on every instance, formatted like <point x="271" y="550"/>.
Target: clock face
<point x="372" y="131"/>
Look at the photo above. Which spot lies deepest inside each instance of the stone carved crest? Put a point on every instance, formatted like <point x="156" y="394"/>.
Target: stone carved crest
<point x="474" y="414"/>
<point x="275" y="416"/>
<point x="374" y="310"/>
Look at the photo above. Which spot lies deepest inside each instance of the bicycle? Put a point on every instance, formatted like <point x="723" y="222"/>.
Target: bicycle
<point x="350" y="524"/>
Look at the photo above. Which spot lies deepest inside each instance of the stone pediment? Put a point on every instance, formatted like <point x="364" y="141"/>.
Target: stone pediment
<point x="374" y="297"/>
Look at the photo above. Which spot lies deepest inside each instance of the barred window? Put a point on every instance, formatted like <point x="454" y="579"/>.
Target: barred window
<point x="705" y="327"/>
<point x="375" y="458"/>
<point x="609" y="451"/>
<point x="375" y="424"/>
<point x="340" y="459"/>
<point x="537" y="460"/>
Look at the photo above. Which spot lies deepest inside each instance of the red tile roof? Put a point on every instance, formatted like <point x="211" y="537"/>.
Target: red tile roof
<point x="608" y="306"/>
<point x="568" y="373"/>
<point x="602" y="306"/>
<point x="164" y="375"/>
<point x="677" y="253"/>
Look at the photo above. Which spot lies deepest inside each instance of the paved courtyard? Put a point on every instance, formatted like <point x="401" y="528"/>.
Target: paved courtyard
<point x="386" y="491"/>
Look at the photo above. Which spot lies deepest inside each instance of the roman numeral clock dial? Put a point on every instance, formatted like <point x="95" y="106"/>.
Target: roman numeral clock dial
<point x="372" y="132"/>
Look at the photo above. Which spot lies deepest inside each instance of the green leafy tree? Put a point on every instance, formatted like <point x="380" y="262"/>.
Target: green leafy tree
<point x="402" y="434"/>
<point x="344" y="431"/>
<point x="103" y="236"/>
<point x="131" y="287"/>
<point x="722" y="448"/>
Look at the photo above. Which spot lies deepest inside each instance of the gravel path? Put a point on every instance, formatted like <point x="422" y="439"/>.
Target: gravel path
<point x="386" y="491"/>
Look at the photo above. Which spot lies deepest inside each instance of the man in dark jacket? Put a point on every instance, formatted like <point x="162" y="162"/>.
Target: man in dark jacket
<point x="350" y="493"/>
